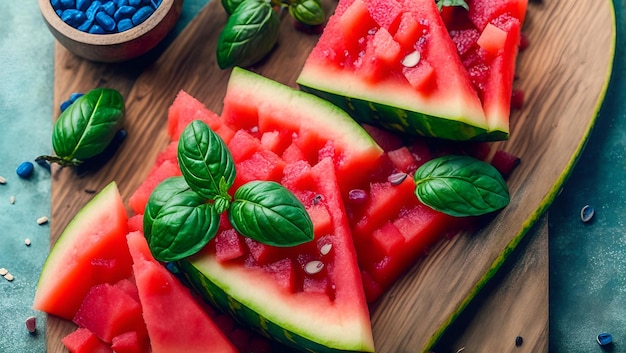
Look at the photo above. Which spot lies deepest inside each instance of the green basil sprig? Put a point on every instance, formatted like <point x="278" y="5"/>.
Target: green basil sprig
<point x="447" y="3"/>
<point x="86" y="127"/>
<point x="461" y="186"/>
<point x="205" y="162"/>
<point x="250" y="33"/>
<point x="183" y="213"/>
<point x="308" y="12"/>
<point x="269" y="213"/>
<point x="251" y="30"/>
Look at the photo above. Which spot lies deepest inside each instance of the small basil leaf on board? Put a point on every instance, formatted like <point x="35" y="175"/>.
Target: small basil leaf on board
<point x="165" y="191"/>
<point x="248" y="35"/>
<point x="461" y="186"/>
<point x="183" y="226"/>
<point x="269" y="213"/>
<point x="309" y="12"/>
<point x="205" y="161"/>
<point x="87" y="126"/>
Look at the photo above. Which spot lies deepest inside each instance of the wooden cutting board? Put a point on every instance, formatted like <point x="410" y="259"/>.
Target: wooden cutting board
<point x="559" y="79"/>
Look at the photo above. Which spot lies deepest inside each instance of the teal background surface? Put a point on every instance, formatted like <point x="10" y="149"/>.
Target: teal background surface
<point x="587" y="260"/>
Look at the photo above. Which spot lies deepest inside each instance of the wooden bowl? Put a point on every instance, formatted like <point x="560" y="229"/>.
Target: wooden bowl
<point x="114" y="47"/>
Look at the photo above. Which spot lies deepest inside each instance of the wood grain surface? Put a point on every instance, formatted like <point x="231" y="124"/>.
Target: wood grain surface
<point x="563" y="74"/>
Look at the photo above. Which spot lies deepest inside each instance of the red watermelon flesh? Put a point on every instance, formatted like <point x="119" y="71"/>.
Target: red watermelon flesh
<point x="82" y="340"/>
<point x="95" y="237"/>
<point x="174" y="320"/>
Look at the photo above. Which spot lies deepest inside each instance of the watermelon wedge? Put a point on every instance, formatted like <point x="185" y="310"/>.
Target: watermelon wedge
<point x="175" y="322"/>
<point x="96" y="239"/>
<point x="393" y="64"/>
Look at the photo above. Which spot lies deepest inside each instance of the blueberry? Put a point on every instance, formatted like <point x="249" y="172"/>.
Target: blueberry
<point x="124" y="24"/>
<point x="68" y="4"/>
<point x="109" y="7"/>
<point x="93" y="9"/>
<point x="124" y="12"/>
<point x="73" y="17"/>
<point x="82" y="5"/>
<point x="95" y="29"/>
<point x="25" y="170"/>
<point x="142" y="14"/>
<point x="105" y="21"/>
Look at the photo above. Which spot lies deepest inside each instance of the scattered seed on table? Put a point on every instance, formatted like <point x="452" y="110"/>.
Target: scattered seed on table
<point x="2" y="180"/>
<point x="9" y="277"/>
<point x="27" y="241"/>
<point x="12" y="199"/>
<point x="42" y="220"/>
<point x="586" y="213"/>
<point x="31" y="324"/>
<point x="518" y="341"/>
<point x="3" y="271"/>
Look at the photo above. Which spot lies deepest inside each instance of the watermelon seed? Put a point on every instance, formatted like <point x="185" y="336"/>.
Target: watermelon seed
<point x="357" y="195"/>
<point x="27" y="242"/>
<point x="42" y="220"/>
<point x="313" y="267"/>
<point x="9" y="277"/>
<point x="586" y="213"/>
<point x="3" y="271"/>
<point x="31" y="324"/>
<point x="412" y="59"/>
<point x="325" y="249"/>
<point x="12" y="199"/>
<point x="397" y="178"/>
<point x="317" y="199"/>
<point x="2" y="180"/>
<point x="518" y="341"/>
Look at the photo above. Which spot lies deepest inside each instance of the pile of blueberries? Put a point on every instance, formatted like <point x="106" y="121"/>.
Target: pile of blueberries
<point x="106" y="16"/>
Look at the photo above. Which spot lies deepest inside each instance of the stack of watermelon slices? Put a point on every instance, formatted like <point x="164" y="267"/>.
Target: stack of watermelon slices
<point x="369" y="228"/>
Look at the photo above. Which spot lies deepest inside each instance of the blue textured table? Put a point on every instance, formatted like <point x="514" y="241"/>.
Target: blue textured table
<point x="587" y="260"/>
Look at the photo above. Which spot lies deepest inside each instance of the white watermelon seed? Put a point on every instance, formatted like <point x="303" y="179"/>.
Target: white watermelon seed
<point x="313" y="267"/>
<point x="3" y="271"/>
<point x="27" y="242"/>
<point x="12" y="199"/>
<point x="9" y="277"/>
<point x="412" y="59"/>
<point x="325" y="249"/>
<point x="42" y="220"/>
<point x="2" y="180"/>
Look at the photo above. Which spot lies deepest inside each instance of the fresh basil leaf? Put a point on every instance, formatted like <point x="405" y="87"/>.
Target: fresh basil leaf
<point x="269" y="213"/>
<point x="447" y="3"/>
<point x="309" y="12"/>
<point x="162" y="193"/>
<point x="249" y="34"/>
<point x="205" y="160"/>
<point x="87" y="126"/>
<point x="230" y="5"/>
<point x="461" y="186"/>
<point x="182" y="226"/>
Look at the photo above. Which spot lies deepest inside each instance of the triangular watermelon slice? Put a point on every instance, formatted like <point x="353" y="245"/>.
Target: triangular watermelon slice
<point x="175" y="321"/>
<point x="392" y="63"/>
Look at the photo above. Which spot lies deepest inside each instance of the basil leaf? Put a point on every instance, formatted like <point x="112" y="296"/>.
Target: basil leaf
<point x="269" y="213"/>
<point x="205" y="160"/>
<point x="447" y="3"/>
<point x="182" y="226"/>
<point x="87" y="126"/>
<point x="249" y="34"/>
<point x="309" y="12"/>
<point x="230" y="5"/>
<point x="461" y="186"/>
<point x="165" y="191"/>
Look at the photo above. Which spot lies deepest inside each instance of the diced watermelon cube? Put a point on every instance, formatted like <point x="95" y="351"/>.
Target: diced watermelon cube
<point x="243" y="145"/>
<point x="261" y="253"/>
<point x="128" y="286"/>
<point x="403" y="160"/>
<point x="492" y="39"/>
<point x="323" y="224"/>
<point x="505" y="162"/>
<point x="135" y="222"/>
<point x="130" y="342"/>
<point x="386" y="49"/>
<point x="185" y="109"/>
<point x="355" y="22"/>
<point x="387" y="240"/>
<point x="284" y="274"/>
<point x="108" y="311"/>
<point x="385" y="13"/>
<point x="421" y="77"/>
<point x="228" y="245"/>
<point x="408" y="30"/>
<point x="275" y="141"/>
<point x="293" y="153"/>
<point x="262" y="165"/>
<point x="82" y="340"/>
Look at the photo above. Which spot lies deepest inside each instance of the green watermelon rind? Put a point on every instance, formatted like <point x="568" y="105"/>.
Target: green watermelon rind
<point x="411" y="122"/>
<point x="198" y="275"/>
